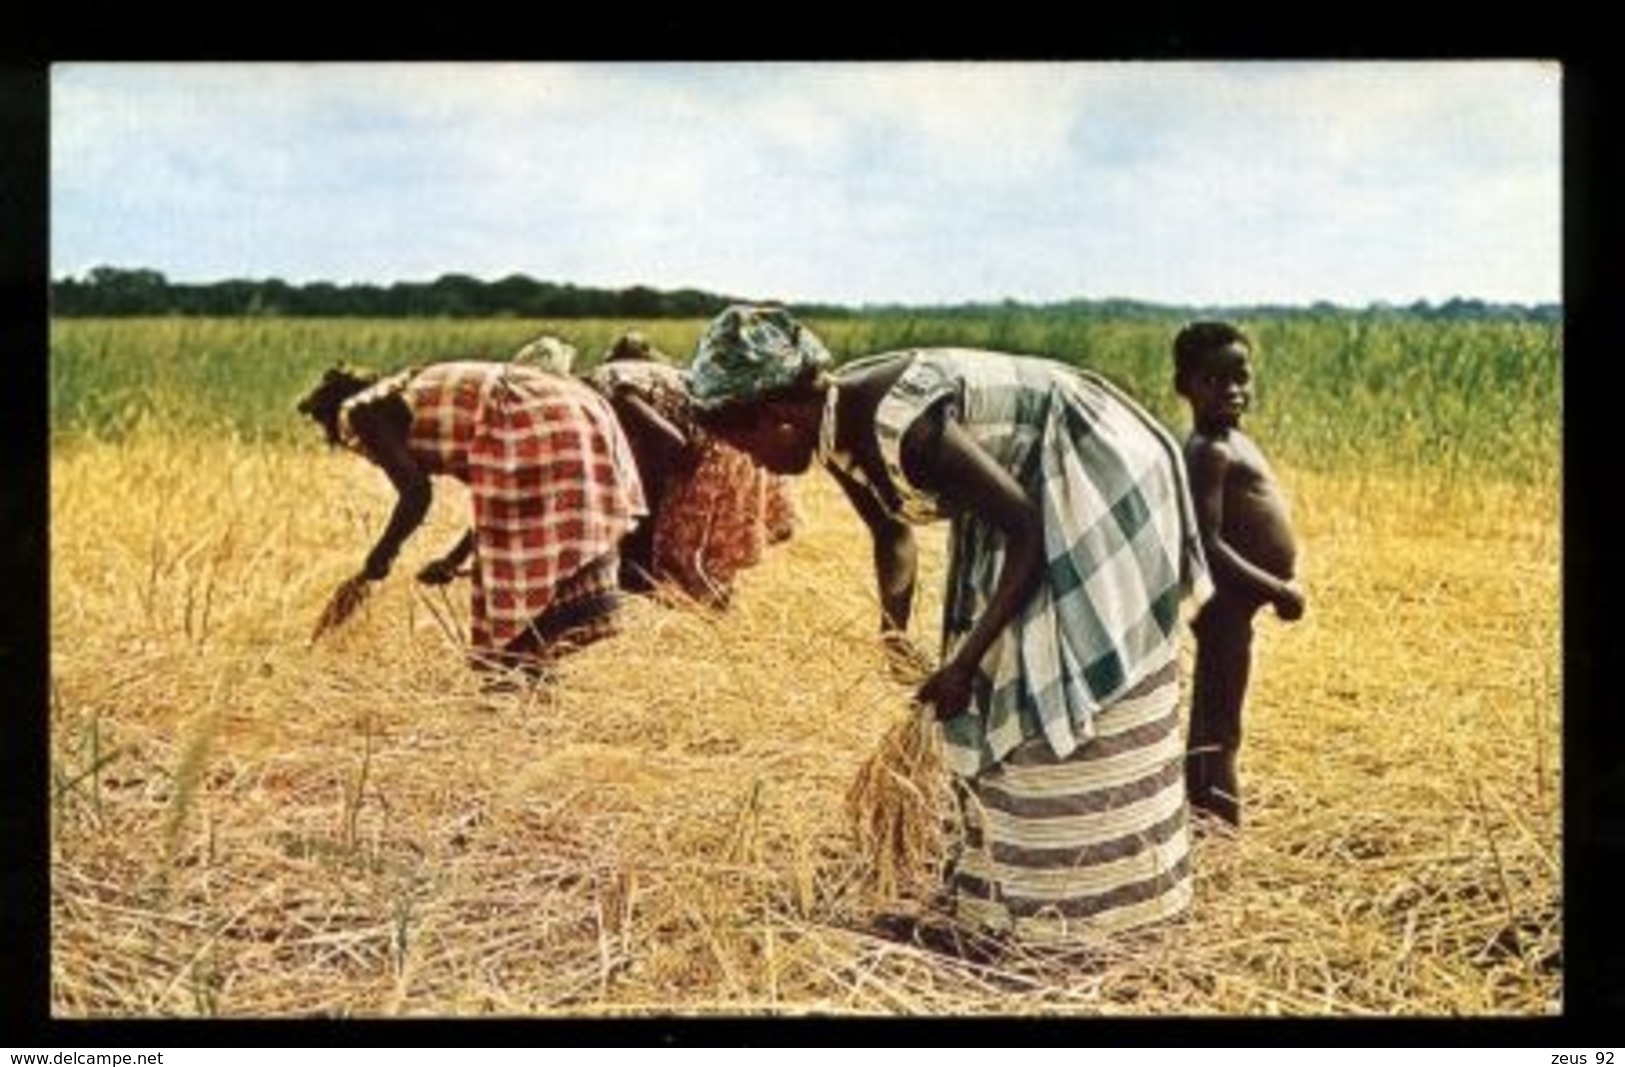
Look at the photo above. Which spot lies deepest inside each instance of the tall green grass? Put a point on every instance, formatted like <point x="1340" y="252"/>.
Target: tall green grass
<point x="1473" y="399"/>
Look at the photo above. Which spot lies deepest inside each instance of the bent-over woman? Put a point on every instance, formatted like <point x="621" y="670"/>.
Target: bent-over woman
<point x="1072" y="543"/>
<point x="551" y="480"/>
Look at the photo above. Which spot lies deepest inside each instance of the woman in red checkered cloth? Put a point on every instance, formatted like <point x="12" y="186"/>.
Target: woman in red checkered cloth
<point x="550" y="475"/>
<point x="713" y="510"/>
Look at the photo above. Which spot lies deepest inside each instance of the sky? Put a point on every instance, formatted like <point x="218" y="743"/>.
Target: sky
<point x="1192" y="183"/>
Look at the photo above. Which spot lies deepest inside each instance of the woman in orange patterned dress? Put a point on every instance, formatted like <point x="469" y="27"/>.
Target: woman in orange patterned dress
<point x="714" y="509"/>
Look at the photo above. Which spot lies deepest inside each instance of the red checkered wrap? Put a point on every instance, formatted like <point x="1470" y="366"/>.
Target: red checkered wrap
<point x="551" y="477"/>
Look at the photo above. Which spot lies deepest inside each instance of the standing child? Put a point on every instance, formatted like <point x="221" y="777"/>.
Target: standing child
<point x="1247" y="535"/>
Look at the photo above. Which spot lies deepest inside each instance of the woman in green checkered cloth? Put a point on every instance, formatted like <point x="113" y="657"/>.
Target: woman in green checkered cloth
<point x="1072" y="545"/>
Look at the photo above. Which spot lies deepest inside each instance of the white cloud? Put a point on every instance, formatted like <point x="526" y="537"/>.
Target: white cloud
<point x="856" y="182"/>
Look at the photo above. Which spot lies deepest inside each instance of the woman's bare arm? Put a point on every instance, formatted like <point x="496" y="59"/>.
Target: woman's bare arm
<point x="895" y="557"/>
<point x="656" y="426"/>
<point x="385" y="442"/>
<point x="443" y="570"/>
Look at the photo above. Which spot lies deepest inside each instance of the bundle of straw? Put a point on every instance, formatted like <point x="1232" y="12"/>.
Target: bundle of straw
<point x="349" y="596"/>
<point x="907" y="662"/>
<point x="896" y="806"/>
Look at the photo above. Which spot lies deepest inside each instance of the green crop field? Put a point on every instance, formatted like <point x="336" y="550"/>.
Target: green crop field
<point x="1334" y="393"/>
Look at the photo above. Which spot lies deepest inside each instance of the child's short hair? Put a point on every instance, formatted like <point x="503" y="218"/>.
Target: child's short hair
<point x="1197" y="339"/>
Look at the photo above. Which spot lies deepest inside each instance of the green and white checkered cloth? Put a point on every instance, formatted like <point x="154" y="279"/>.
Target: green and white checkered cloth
<point x="1121" y="543"/>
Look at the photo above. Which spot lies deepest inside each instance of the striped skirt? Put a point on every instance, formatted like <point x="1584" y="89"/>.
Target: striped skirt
<point x="1058" y="851"/>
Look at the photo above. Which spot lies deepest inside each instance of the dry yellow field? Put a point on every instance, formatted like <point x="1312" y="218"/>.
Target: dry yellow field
<point x="245" y="825"/>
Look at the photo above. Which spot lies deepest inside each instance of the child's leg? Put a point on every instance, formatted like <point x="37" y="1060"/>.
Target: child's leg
<point x="1224" y="636"/>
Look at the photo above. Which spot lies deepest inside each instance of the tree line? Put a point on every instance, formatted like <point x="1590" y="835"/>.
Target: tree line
<point x="118" y="291"/>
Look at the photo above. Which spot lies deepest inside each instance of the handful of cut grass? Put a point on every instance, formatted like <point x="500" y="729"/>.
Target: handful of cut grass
<point x="349" y="596"/>
<point x="896" y="806"/>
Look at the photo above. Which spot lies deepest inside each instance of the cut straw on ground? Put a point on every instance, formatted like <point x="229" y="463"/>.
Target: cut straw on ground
<point x="665" y="828"/>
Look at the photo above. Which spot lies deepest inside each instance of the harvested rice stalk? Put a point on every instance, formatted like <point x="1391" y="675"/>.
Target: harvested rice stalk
<point x="349" y="596"/>
<point x="908" y="663"/>
<point x="896" y="806"/>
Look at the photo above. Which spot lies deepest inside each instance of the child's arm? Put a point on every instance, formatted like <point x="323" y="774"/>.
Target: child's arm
<point x="1209" y="464"/>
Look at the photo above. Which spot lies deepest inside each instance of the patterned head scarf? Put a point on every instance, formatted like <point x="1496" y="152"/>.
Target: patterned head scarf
<point x="747" y="351"/>
<point x="548" y="353"/>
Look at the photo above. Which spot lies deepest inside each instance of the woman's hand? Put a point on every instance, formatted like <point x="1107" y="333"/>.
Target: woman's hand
<point x="438" y="572"/>
<point x="949" y="689"/>
<point x="384" y="433"/>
